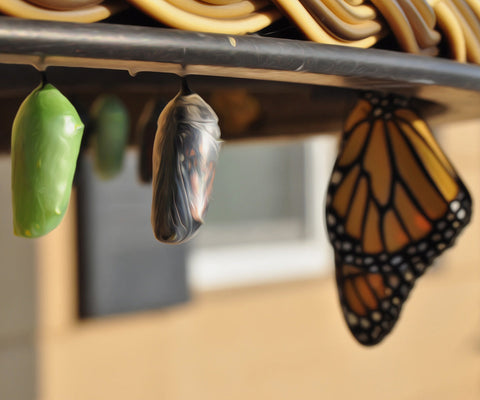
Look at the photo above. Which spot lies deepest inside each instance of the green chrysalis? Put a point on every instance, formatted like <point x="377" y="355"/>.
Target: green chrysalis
<point x="111" y="125"/>
<point x="46" y="137"/>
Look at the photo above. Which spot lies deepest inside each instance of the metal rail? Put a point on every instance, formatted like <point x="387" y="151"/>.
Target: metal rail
<point x="107" y="46"/>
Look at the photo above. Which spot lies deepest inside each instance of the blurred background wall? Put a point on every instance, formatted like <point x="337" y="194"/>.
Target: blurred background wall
<point x="263" y="320"/>
<point x="18" y="313"/>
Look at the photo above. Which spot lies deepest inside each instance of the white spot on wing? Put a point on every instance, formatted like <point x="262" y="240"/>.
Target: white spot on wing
<point x="454" y="205"/>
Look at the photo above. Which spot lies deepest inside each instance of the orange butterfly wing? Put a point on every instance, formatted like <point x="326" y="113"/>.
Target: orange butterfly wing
<point x="394" y="204"/>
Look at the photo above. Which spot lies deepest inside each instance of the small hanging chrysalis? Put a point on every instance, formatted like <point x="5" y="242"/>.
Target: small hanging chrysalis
<point x="145" y="133"/>
<point x="184" y="158"/>
<point x="111" y="127"/>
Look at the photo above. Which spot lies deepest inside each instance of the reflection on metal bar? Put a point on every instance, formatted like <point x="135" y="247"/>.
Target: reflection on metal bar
<point x="133" y="48"/>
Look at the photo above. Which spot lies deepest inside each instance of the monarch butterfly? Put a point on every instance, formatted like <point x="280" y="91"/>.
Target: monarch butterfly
<point x="394" y="204"/>
<point x="185" y="155"/>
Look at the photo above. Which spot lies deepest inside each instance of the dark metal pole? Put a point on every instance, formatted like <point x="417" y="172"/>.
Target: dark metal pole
<point x="100" y="45"/>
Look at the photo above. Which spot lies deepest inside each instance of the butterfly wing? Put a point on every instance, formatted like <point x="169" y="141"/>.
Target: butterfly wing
<point x="394" y="204"/>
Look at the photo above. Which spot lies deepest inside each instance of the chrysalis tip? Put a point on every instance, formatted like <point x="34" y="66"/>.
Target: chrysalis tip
<point x="185" y="88"/>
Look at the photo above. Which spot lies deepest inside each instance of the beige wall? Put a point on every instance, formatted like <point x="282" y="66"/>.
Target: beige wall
<point x="282" y="342"/>
<point x="17" y="302"/>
